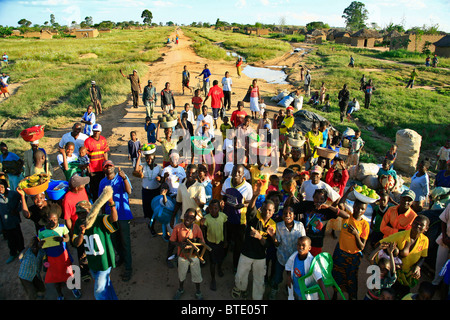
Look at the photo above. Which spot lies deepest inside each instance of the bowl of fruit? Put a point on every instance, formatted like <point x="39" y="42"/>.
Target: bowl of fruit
<point x="35" y="184"/>
<point x="148" y="149"/>
<point x="168" y="121"/>
<point x="365" y="194"/>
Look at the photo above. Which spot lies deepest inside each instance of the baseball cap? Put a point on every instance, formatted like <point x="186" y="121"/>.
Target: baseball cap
<point x="316" y="169"/>
<point x="409" y="193"/>
<point x="150" y="81"/>
<point x="77" y="181"/>
<point x="108" y="163"/>
<point x="97" y="127"/>
<point x="92" y="82"/>
<point x="34" y="142"/>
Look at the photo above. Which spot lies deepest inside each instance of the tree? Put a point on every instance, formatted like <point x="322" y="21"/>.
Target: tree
<point x="317" y="25"/>
<point x="147" y="16"/>
<point x="355" y="15"/>
<point x="89" y="21"/>
<point x="5" y="31"/>
<point x="24" y="23"/>
<point x="52" y="19"/>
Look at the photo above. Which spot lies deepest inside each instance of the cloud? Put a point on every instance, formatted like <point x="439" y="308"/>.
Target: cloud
<point x="240" y="4"/>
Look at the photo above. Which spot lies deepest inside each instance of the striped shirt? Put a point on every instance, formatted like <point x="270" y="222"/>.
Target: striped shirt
<point x="31" y="265"/>
<point x="96" y="150"/>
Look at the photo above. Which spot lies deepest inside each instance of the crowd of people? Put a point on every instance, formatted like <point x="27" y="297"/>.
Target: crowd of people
<point x="230" y="200"/>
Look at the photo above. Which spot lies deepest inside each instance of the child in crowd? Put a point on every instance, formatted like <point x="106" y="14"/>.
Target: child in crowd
<point x="379" y="210"/>
<point x="187" y="229"/>
<point x="391" y="156"/>
<point x="197" y="103"/>
<point x="53" y="238"/>
<point x="134" y="145"/>
<point x="40" y="163"/>
<point x="356" y="145"/>
<point x="443" y="156"/>
<point x="224" y="127"/>
<point x="83" y="159"/>
<point x="32" y="260"/>
<point x="413" y="246"/>
<point x="214" y="227"/>
<point x="298" y="265"/>
<point x="274" y="183"/>
<point x="150" y="128"/>
<point x="388" y="274"/>
<point x="348" y="252"/>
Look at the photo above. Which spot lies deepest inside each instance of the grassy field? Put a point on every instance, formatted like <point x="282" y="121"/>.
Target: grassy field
<point x="252" y="48"/>
<point x="425" y="110"/>
<point x="57" y="72"/>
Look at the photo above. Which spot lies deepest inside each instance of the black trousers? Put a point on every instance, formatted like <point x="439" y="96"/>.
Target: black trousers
<point x="96" y="177"/>
<point x="135" y="96"/>
<point x="227" y="99"/>
<point x="15" y="240"/>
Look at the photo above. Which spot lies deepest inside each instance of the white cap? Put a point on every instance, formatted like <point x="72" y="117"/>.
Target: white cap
<point x="97" y="127"/>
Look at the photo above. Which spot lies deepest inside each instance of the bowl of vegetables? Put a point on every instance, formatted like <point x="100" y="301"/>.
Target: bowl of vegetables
<point x="35" y="184"/>
<point x="365" y="194"/>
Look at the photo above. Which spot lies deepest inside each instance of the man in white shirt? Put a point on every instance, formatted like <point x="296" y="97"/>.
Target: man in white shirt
<point x="310" y="186"/>
<point x="227" y="84"/>
<point x="190" y="114"/>
<point x="75" y="136"/>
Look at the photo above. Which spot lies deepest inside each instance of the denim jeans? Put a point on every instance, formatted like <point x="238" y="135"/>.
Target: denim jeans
<point x="103" y="289"/>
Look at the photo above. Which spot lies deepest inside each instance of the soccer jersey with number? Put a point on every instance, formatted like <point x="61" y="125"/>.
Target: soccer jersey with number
<point x="98" y="245"/>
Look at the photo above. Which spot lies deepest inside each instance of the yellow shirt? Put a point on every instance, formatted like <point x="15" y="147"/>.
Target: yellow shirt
<point x="256" y="175"/>
<point x="167" y="146"/>
<point x="288" y="122"/>
<point x="420" y="249"/>
<point x="214" y="231"/>
<point x="314" y="141"/>
<point x="347" y="241"/>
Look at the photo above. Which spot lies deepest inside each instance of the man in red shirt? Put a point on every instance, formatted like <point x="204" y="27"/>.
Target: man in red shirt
<point x="216" y="94"/>
<point x="238" y="116"/>
<point x="75" y="194"/>
<point x="97" y="149"/>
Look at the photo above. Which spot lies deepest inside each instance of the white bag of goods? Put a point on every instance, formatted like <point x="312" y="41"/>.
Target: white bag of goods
<point x="280" y="96"/>
<point x="286" y="101"/>
<point x="408" y="149"/>
<point x="298" y="103"/>
<point x="366" y="169"/>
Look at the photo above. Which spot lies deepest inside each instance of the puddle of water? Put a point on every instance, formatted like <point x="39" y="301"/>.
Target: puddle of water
<point x="269" y="75"/>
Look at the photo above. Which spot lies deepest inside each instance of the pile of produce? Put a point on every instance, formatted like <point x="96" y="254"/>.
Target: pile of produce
<point x="34" y="181"/>
<point x="366" y="191"/>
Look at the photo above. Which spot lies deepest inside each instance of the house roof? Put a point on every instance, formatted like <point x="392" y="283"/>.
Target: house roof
<point x="366" y="33"/>
<point x="444" y="42"/>
<point x="341" y="34"/>
<point x="393" y="34"/>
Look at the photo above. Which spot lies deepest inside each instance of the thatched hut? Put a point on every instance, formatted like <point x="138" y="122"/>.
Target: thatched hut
<point x="364" y="38"/>
<point x="442" y="47"/>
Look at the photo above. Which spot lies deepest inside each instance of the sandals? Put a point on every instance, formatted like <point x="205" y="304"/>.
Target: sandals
<point x="178" y="294"/>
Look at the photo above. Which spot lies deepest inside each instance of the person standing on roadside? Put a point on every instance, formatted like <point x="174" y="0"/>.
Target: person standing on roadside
<point x="185" y="78"/>
<point x="96" y="97"/>
<point x="227" y="84"/>
<point x="343" y="97"/>
<point x="412" y="78"/>
<point x="216" y="94"/>
<point x="167" y="99"/>
<point x="239" y="66"/>
<point x="135" y="86"/>
<point x="368" y="91"/>
<point x="308" y="83"/>
<point x="149" y="98"/>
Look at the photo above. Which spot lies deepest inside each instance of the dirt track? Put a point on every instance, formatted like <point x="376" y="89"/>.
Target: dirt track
<point x="151" y="278"/>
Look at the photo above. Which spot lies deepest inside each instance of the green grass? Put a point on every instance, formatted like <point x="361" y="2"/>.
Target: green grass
<point x="253" y="48"/>
<point x="57" y="78"/>
<point x="393" y="107"/>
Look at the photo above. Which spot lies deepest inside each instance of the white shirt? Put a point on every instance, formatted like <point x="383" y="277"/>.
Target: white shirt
<point x="227" y="83"/>
<point x="176" y="176"/>
<point x="79" y="142"/>
<point x="245" y="189"/>
<point x="228" y="169"/>
<point x="316" y="275"/>
<point x="70" y="159"/>
<point x="190" y="116"/>
<point x="308" y="188"/>
<point x="208" y="119"/>
<point x="149" y="180"/>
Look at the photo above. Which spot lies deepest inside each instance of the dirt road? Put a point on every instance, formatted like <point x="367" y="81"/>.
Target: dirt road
<point x="151" y="279"/>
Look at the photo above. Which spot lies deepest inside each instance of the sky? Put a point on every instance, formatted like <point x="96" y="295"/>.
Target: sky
<point x="409" y="13"/>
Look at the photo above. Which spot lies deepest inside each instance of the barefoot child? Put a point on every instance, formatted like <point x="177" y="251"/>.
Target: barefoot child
<point x="214" y="227"/>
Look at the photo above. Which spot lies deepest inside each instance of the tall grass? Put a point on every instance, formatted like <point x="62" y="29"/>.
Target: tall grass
<point x="393" y="107"/>
<point x="57" y="77"/>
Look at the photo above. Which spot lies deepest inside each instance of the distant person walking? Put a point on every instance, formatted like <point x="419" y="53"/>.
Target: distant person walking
<point x="4" y="85"/>
<point x="434" y="61"/>
<point x="96" y="97"/>
<point x="239" y="66"/>
<point x="185" y="78"/>
<point x="135" y="86"/>
<point x="5" y="60"/>
<point x="308" y="83"/>
<point x="343" y="97"/>
<point x="412" y="78"/>
<point x="167" y="99"/>
<point x="227" y="84"/>
<point x="255" y="99"/>
<point x="368" y="91"/>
